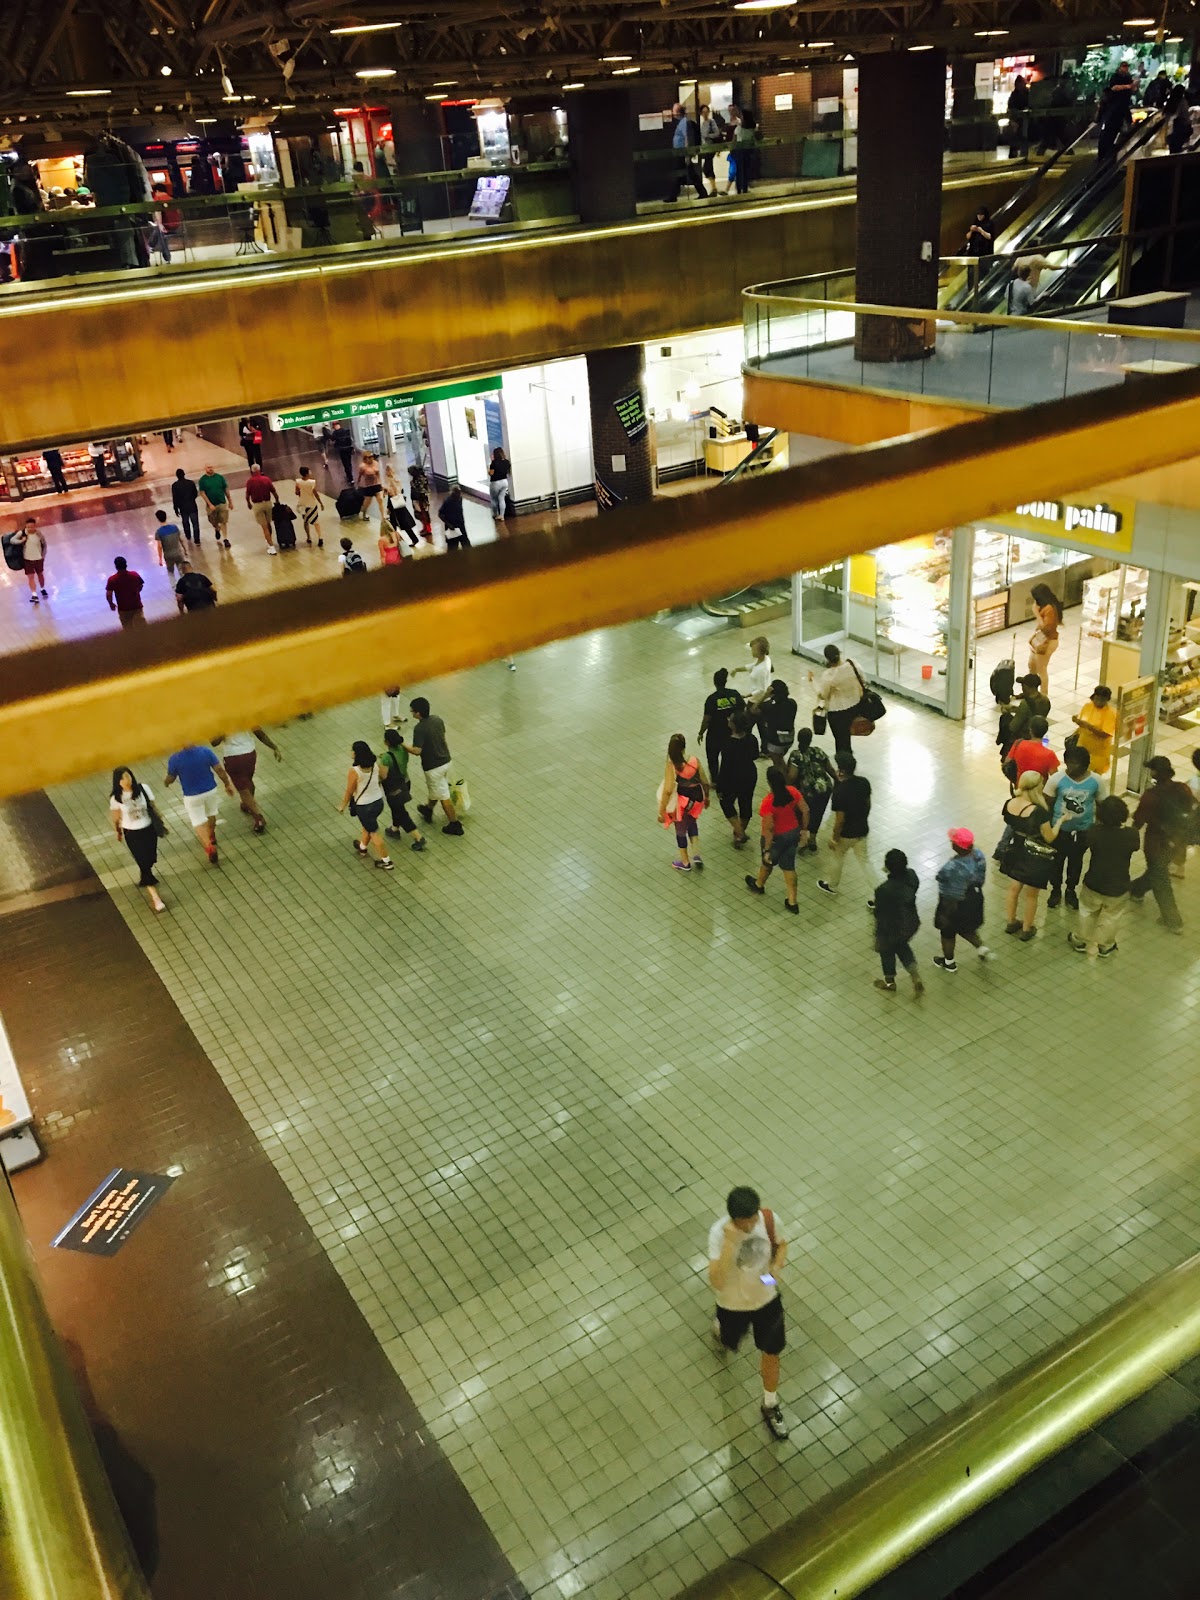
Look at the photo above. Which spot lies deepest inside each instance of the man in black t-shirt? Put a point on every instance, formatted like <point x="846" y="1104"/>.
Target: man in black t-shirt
<point x="851" y="805"/>
<point x="716" y="726"/>
<point x="195" y="592"/>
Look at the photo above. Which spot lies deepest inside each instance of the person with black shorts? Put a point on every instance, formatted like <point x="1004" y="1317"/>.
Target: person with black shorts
<point x="745" y="1256"/>
<point x="737" y="776"/>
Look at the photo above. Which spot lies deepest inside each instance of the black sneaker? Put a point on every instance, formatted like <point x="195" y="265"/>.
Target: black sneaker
<point x="417" y="844"/>
<point x="870" y="905"/>
<point x="947" y="963"/>
<point x="752" y="885"/>
<point x="453" y="827"/>
<point x="827" y="887"/>
<point x="392" y="833"/>
<point x="426" y="812"/>
<point x="773" y="1417"/>
<point x="387" y="865"/>
<point x="1055" y="899"/>
<point x="790" y="905"/>
<point x="1108" y="949"/>
<point x="1072" y="900"/>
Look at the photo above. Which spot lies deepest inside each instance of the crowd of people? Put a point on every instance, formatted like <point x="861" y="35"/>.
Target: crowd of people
<point x="1061" y="836"/>
<point x="374" y="780"/>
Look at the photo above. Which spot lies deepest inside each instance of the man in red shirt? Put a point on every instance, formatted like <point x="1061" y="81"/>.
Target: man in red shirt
<point x="124" y="593"/>
<point x="1031" y="755"/>
<point x="260" y="492"/>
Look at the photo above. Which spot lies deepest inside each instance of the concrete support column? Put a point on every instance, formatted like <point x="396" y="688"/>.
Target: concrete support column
<point x="600" y="140"/>
<point x="621" y="435"/>
<point x="901" y="104"/>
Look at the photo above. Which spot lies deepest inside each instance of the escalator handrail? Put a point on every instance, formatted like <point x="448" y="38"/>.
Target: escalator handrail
<point x="1016" y="202"/>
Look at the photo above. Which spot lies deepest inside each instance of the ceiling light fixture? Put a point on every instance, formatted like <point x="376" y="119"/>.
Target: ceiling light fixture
<point x="990" y="33"/>
<point x="616" y="58"/>
<point x="365" y="27"/>
<point x="375" y="72"/>
<point x="913" y="48"/>
<point x="85" y="94"/>
<point x="625" y="72"/>
<point x="1139" y="22"/>
<point x="762" y="5"/>
<point x="206" y="119"/>
<point x="572" y="86"/>
<point x="166" y="71"/>
<point x="446" y="83"/>
<point x="433" y="97"/>
<point x="819" y="44"/>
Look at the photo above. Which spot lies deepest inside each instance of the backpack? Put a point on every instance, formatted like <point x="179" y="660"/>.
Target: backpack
<point x="14" y="554"/>
<point x="195" y="590"/>
<point x="395" y="765"/>
<point x="353" y="562"/>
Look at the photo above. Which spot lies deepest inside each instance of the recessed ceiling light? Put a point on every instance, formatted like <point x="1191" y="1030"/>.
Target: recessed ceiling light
<point x="446" y="83"/>
<point x="375" y="72"/>
<point x="819" y="44"/>
<point x="85" y="94"/>
<point x="915" y="47"/>
<point x="286" y="107"/>
<point x="990" y="33"/>
<point x="616" y="58"/>
<point x="433" y="97"/>
<point x="572" y="86"/>
<point x="166" y="71"/>
<point x="365" y="27"/>
<point x="625" y="72"/>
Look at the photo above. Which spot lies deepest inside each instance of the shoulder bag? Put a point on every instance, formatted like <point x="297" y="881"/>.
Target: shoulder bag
<point x="868" y="710"/>
<point x="156" y="819"/>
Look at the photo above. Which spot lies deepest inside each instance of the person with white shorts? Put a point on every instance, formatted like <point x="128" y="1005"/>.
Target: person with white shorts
<point x="429" y="742"/>
<point x="197" y="768"/>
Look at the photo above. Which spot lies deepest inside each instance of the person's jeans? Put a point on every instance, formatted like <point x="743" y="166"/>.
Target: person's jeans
<point x="839" y="727"/>
<point x="190" y="517"/>
<point x="818" y="804"/>
<point x="401" y="817"/>
<point x="1099" y="917"/>
<point x="159" y="241"/>
<point x="498" y="489"/>
<point x="1069" y="851"/>
<point x="839" y="852"/>
<point x="1156" y="880"/>
<point x="888" y="955"/>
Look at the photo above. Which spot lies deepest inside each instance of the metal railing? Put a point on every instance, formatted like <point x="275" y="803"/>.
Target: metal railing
<point x="975" y="358"/>
<point x="61" y="1537"/>
<point x="865" y="1530"/>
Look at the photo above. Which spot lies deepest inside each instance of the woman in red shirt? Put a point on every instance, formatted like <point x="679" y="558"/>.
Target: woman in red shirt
<point x="784" y="831"/>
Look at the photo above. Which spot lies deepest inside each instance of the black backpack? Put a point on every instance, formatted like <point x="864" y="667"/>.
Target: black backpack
<point x="196" y="591"/>
<point x="353" y="562"/>
<point x="14" y="554"/>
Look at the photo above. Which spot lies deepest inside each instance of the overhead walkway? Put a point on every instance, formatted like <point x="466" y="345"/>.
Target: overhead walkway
<point x="138" y="351"/>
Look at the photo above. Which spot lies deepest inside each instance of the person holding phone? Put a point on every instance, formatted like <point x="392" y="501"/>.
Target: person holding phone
<point x="746" y="1253"/>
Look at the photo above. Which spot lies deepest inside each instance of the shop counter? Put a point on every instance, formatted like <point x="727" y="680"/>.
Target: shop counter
<point x="722" y="455"/>
<point x="1159" y="310"/>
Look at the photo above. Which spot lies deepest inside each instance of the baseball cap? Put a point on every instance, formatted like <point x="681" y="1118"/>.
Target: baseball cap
<point x="962" y="838"/>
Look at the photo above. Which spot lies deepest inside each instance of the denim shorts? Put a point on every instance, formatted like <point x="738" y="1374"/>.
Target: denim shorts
<point x="368" y="816"/>
<point x="783" y="850"/>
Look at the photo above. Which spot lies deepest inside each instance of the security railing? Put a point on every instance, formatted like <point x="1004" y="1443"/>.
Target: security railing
<point x="978" y="359"/>
<point x="379" y="214"/>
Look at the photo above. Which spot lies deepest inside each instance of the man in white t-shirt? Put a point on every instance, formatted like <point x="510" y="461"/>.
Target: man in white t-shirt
<point x="745" y="1255"/>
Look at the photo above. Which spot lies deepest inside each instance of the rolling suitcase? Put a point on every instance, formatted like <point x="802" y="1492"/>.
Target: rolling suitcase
<point x="349" y="504"/>
<point x="283" y="520"/>
<point x="1004" y="678"/>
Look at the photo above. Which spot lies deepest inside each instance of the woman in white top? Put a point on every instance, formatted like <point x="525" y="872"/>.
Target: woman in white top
<point x="839" y="690"/>
<point x="364" y="793"/>
<point x="308" y="498"/>
<point x="134" y="816"/>
<point x="760" y="670"/>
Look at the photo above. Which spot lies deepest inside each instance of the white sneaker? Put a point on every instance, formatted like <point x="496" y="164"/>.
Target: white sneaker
<point x="271" y="550"/>
<point x="984" y="953"/>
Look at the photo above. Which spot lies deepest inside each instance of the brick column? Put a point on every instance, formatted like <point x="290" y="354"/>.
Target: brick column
<point x="901" y="110"/>
<point x="600" y="125"/>
<point x="624" y="466"/>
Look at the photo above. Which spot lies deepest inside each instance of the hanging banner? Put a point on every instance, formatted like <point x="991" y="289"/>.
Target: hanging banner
<point x="372" y="405"/>
<point x="632" y="414"/>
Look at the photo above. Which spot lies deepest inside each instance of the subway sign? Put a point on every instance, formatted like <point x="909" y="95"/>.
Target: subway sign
<point x="372" y="405"/>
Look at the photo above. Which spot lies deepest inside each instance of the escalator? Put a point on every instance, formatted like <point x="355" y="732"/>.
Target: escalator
<point x="760" y="601"/>
<point x="1090" y="209"/>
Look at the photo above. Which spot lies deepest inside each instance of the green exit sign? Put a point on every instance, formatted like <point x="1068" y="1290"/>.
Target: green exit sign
<point x="372" y="405"/>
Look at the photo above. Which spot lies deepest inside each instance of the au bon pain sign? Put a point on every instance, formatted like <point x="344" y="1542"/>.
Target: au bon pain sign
<point x="1083" y="523"/>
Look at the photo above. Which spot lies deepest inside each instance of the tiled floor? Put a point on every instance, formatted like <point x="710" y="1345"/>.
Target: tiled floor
<point x="510" y="1084"/>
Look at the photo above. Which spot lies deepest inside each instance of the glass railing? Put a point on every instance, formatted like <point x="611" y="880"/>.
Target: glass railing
<point x="970" y="357"/>
<point x="270" y="223"/>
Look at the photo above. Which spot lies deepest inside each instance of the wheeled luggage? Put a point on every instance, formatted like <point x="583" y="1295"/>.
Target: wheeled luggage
<point x="349" y="503"/>
<point x="283" y="520"/>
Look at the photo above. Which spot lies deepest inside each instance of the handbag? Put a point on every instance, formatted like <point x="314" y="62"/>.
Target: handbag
<point x="819" y="720"/>
<point x="868" y="710"/>
<point x="156" y="819"/>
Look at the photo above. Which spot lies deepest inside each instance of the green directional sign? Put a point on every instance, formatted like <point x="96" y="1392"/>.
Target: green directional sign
<point x="372" y="405"/>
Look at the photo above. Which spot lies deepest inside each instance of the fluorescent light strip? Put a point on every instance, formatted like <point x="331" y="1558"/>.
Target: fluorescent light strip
<point x="366" y="27"/>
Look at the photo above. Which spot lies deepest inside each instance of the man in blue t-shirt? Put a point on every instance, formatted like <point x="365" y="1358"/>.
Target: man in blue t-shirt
<point x="1074" y="793"/>
<point x="197" y="768"/>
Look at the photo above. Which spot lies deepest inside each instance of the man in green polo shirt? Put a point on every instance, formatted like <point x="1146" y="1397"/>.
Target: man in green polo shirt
<point x="214" y="491"/>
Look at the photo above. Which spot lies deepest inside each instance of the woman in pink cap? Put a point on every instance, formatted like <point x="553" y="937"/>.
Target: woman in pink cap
<point x="960" y="899"/>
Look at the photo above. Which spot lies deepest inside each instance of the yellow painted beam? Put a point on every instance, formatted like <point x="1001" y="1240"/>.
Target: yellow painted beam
<point x="74" y="709"/>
